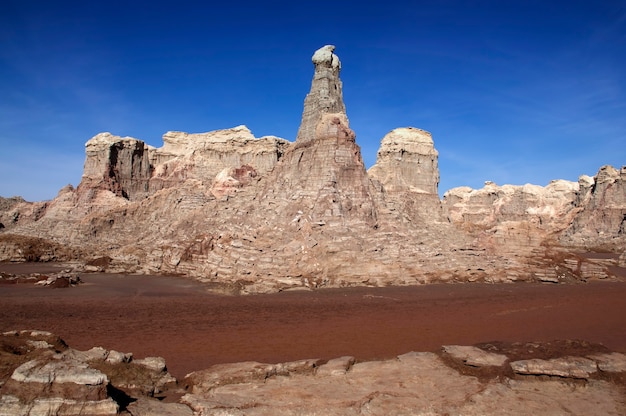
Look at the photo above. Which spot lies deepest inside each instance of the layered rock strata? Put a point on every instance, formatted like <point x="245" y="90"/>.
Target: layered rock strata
<point x="326" y="95"/>
<point x="41" y="375"/>
<point x="406" y="175"/>
<point x="459" y="380"/>
<point x="255" y="215"/>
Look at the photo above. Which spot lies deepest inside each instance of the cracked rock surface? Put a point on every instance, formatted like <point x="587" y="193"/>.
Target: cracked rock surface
<point x="40" y="374"/>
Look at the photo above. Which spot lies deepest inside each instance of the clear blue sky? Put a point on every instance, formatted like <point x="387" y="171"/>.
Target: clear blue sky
<point x="512" y="91"/>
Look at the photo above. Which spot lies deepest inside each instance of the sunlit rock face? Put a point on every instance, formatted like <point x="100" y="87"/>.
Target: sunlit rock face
<point x="252" y="215"/>
<point x="323" y="175"/>
<point x="601" y="221"/>
<point x="405" y="177"/>
<point x="407" y="162"/>
<point x="544" y="207"/>
<point x="120" y="165"/>
<point x="202" y="156"/>
<point x="326" y="95"/>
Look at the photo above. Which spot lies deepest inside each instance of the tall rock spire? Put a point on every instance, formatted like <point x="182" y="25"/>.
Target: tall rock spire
<point x="325" y="95"/>
<point x="322" y="176"/>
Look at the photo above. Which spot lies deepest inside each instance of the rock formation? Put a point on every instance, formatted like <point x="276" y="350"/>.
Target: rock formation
<point x="120" y="165"/>
<point x="459" y="380"/>
<point x="407" y="162"/>
<point x="255" y="215"/>
<point x="406" y="174"/>
<point x="326" y="95"/>
<point x="40" y="374"/>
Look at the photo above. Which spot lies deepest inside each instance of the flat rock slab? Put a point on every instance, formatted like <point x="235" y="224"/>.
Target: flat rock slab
<point x="474" y="356"/>
<point x="152" y="407"/>
<point x="12" y="406"/>
<point x="536" y="397"/>
<point x="570" y="367"/>
<point x="337" y="366"/>
<point x="152" y="363"/>
<point x="59" y="371"/>
<point x="234" y="373"/>
<point x="611" y="362"/>
<point x="413" y="383"/>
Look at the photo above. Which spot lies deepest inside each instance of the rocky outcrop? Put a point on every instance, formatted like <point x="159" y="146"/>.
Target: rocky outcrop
<point x="405" y="177"/>
<point x="601" y="220"/>
<point x="62" y="279"/>
<point x="557" y="224"/>
<point x="129" y="168"/>
<point x="326" y="95"/>
<point x="459" y="380"/>
<point x="323" y="182"/>
<point x="116" y="164"/>
<point x="407" y="162"/>
<point x="41" y="375"/>
<point x="203" y="156"/>
<point x="255" y="215"/>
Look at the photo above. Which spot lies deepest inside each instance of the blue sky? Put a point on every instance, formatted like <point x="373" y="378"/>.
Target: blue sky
<point x="512" y="91"/>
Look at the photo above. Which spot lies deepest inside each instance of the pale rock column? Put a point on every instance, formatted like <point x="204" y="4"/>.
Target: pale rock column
<point x="326" y="92"/>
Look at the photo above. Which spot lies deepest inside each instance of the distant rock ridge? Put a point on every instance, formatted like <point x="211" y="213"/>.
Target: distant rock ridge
<point x="251" y="215"/>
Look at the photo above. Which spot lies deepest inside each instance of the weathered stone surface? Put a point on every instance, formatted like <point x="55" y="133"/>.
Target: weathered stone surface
<point x="524" y="397"/>
<point x="601" y="220"/>
<point x="116" y="357"/>
<point x="58" y="371"/>
<point x="474" y="356"/>
<point x="370" y="387"/>
<point x="614" y="362"/>
<point x="55" y="386"/>
<point x="152" y="407"/>
<point x="235" y="373"/>
<point x="230" y="180"/>
<point x="499" y="205"/>
<point x="413" y="383"/>
<point x="12" y="406"/>
<point x="202" y="156"/>
<point x="325" y="183"/>
<point x="337" y="366"/>
<point x="572" y="367"/>
<point x="153" y="363"/>
<point x="407" y="162"/>
<point x="40" y="375"/>
<point x="405" y="178"/>
<point x="326" y="95"/>
<point x="116" y="164"/>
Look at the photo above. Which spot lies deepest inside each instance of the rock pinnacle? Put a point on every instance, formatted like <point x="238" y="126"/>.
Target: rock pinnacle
<point x="325" y="96"/>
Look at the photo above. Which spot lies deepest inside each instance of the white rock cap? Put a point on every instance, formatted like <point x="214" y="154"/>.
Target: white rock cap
<point x="325" y="56"/>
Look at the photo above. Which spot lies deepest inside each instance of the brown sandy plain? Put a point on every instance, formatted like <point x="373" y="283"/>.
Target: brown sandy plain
<point x="192" y="329"/>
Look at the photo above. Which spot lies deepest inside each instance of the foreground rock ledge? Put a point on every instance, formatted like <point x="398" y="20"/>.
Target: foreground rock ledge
<point x="39" y="374"/>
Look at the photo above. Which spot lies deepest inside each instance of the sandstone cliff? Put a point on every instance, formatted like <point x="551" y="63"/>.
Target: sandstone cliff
<point x="254" y="215"/>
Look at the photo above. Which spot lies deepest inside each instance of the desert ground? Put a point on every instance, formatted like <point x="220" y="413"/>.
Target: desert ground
<point x="178" y="319"/>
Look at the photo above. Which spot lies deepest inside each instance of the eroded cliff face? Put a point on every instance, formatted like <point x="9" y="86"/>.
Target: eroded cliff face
<point x="254" y="215"/>
<point x="405" y="177"/>
<point x="601" y="220"/>
<point x="116" y="164"/>
<point x="561" y="224"/>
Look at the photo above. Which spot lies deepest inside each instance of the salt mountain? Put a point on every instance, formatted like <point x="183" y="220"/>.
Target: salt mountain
<point x="258" y="215"/>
